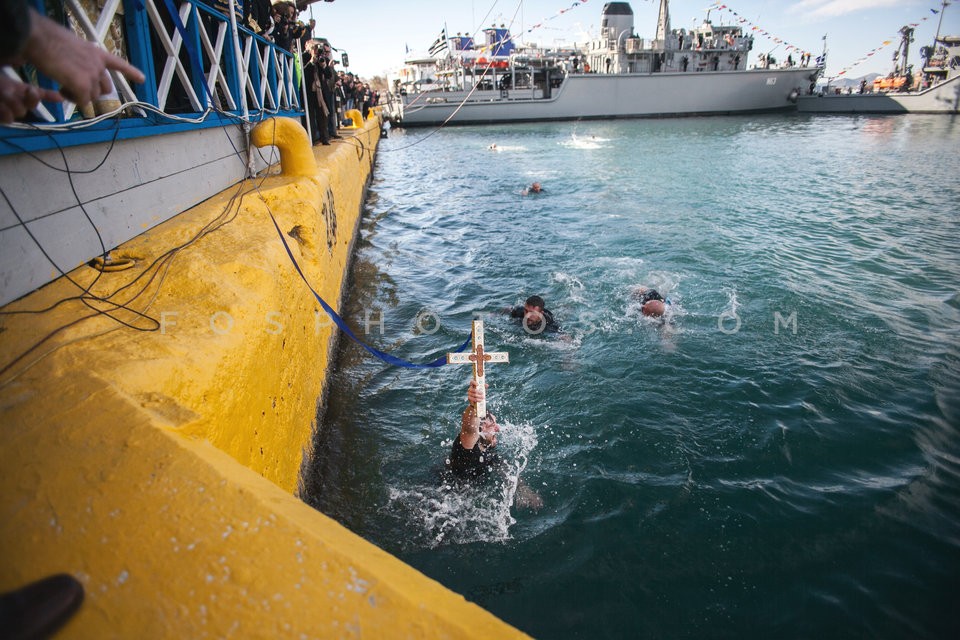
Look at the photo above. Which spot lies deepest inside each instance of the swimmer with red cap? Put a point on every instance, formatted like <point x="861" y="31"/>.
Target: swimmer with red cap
<point x="652" y="304"/>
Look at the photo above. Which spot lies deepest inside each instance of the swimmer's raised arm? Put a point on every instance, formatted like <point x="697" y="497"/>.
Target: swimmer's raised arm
<point x="470" y="423"/>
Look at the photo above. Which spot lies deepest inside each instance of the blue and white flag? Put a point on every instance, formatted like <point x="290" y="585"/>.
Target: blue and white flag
<point x="440" y="44"/>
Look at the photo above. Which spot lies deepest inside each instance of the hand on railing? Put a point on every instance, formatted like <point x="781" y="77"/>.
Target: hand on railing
<point x="78" y="65"/>
<point x="83" y="68"/>
<point x="17" y="98"/>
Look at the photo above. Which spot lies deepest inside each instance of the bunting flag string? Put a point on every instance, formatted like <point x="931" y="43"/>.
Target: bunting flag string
<point x="748" y="25"/>
<point x="761" y="31"/>
<point x="883" y="45"/>
<point x="757" y="29"/>
<point x="554" y="16"/>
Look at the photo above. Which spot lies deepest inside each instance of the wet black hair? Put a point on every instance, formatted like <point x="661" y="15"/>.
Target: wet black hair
<point x="536" y="301"/>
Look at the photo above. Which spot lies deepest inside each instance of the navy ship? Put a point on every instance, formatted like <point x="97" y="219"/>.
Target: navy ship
<point x="680" y="72"/>
<point x="934" y="88"/>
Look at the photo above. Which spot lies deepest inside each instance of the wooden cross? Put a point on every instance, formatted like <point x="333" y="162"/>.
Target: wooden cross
<point x="478" y="357"/>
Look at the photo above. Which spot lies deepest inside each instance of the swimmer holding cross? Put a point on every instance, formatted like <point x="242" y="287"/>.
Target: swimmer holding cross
<point x="472" y="456"/>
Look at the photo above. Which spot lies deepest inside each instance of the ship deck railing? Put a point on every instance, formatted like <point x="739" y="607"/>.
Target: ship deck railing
<point x="198" y="75"/>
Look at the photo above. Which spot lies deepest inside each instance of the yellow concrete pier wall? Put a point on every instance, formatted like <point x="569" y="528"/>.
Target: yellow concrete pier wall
<point x="154" y="454"/>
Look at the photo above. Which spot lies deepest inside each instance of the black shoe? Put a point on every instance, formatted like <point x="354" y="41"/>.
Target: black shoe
<point x="40" y="608"/>
<point x="326" y="143"/>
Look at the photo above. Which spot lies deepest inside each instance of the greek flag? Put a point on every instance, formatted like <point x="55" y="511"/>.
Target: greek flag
<point x="440" y="44"/>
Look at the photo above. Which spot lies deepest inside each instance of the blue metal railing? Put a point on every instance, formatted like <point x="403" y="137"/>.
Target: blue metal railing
<point x="197" y="75"/>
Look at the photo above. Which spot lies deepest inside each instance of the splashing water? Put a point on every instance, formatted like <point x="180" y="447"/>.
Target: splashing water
<point x="453" y="512"/>
<point x="778" y="458"/>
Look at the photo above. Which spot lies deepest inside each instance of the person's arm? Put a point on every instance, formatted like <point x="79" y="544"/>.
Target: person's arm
<point x="469" y="428"/>
<point x="470" y="423"/>
<point x="78" y="65"/>
<point x="552" y="326"/>
<point x="18" y="98"/>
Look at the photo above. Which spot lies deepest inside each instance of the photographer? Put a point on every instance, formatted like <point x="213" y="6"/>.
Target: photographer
<point x="287" y="28"/>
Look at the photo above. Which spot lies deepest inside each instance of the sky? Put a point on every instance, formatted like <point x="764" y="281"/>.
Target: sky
<point x="377" y="33"/>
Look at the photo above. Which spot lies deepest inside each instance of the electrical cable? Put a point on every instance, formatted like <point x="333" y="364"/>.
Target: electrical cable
<point x="86" y="214"/>
<point x="162" y="262"/>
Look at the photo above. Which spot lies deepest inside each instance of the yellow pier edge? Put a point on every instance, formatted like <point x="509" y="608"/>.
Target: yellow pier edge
<point x="157" y="460"/>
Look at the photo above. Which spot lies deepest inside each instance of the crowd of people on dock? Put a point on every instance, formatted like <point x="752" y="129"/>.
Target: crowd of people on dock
<point x="332" y="93"/>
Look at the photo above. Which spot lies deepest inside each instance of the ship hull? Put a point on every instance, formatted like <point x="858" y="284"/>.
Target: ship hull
<point x="596" y="96"/>
<point x="943" y="98"/>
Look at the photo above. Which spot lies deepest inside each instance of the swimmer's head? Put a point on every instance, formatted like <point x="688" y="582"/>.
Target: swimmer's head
<point x="654" y="308"/>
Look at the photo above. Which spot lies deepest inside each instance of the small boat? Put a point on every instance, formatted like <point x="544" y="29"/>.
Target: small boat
<point x="700" y="71"/>
<point x="933" y="89"/>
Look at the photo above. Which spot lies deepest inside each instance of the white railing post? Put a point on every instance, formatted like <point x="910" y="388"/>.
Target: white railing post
<point x="235" y="36"/>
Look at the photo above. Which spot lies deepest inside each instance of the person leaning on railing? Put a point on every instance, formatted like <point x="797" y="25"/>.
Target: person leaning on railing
<point x="223" y="6"/>
<point x="79" y="66"/>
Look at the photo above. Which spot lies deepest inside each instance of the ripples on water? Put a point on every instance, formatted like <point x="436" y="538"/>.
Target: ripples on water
<point x="780" y="459"/>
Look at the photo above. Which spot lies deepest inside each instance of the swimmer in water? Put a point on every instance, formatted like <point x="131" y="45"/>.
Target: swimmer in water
<point x="473" y="458"/>
<point x="534" y="188"/>
<point x="652" y="304"/>
<point x="534" y="316"/>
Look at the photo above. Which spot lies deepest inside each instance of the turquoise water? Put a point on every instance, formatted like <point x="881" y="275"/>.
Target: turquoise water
<point x="780" y="459"/>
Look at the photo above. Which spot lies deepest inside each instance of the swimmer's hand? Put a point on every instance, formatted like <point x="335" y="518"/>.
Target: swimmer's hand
<point x="527" y="498"/>
<point x="475" y="394"/>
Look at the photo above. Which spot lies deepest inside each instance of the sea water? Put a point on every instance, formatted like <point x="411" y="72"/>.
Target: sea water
<point x="779" y="458"/>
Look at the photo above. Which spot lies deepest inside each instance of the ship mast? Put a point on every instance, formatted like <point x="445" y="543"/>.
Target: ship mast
<point x="943" y="10"/>
<point x="902" y="54"/>
<point x="663" y="21"/>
